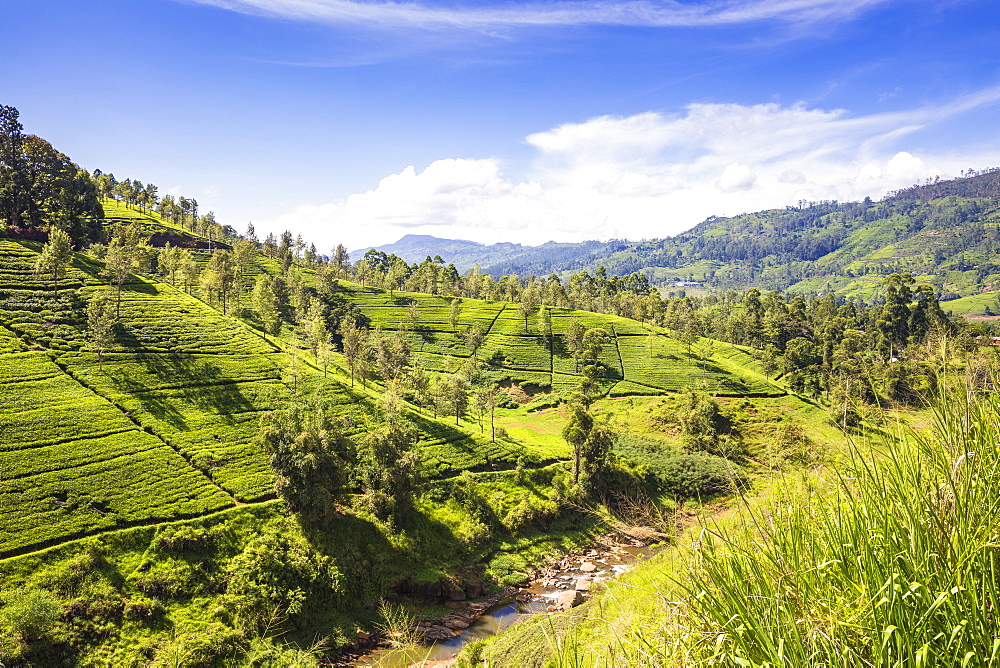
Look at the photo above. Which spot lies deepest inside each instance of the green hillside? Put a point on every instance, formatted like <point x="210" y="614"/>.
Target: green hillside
<point x="108" y="456"/>
<point x="513" y="353"/>
<point x="184" y="387"/>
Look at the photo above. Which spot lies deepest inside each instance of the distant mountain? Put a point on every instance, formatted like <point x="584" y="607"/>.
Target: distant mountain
<point x="945" y="232"/>
<point x="499" y="258"/>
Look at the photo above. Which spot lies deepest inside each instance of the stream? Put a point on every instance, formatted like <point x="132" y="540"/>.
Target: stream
<point x="557" y="581"/>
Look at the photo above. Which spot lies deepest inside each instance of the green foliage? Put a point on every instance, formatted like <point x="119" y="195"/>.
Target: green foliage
<point x="700" y="421"/>
<point x="30" y="613"/>
<point x="274" y="576"/>
<point x="509" y="570"/>
<point x="390" y="471"/>
<point x="698" y="476"/>
<point x="309" y="457"/>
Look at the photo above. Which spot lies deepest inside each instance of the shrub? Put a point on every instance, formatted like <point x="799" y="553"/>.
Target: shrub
<point x="544" y="401"/>
<point x="30" y="613"/>
<point x="184" y="538"/>
<point x="504" y="400"/>
<point x="531" y="512"/>
<point x="508" y="569"/>
<point x="143" y="609"/>
<point x="688" y="476"/>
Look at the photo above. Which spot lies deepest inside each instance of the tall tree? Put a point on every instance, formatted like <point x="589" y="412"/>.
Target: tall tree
<point x="266" y="303"/>
<point x="573" y="335"/>
<point x="390" y="470"/>
<point x="475" y="335"/>
<point x="55" y="257"/>
<point x="124" y="256"/>
<point x="219" y="277"/>
<point x="458" y="395"/>
<point x="575" y="433"/>
<point x="188" y="268"/>
<point x="353" y="339"/>
<point x="169" y="261"/>
<point x="341" y="261"/>
<point x="100" y="327"/>
<point x="454" y="310"/>
<point x="316" y="333"/>
<point x="592" y="447"/>
<point x="13" y="166"/>
<point x="244" y="253"/>
<point x="309" y="457"/>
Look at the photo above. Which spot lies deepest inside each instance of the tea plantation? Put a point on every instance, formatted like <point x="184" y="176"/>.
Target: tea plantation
<point x="163" y="426"/>
<point x="635" y="363"/>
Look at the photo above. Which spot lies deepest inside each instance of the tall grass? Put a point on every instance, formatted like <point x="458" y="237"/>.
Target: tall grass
<point x="890" y="558"/>
<point x="897" y="566"/>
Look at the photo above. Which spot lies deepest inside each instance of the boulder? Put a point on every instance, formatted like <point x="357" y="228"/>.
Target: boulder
<point x="437" y="632"/>
<point x="583" y="584"/>
<point x="427" y="589"/>
<point x="362" y="635"/>
<point x="455" y="623"/>
<point x="588" y="567"/>
<point x="569" y="599"/>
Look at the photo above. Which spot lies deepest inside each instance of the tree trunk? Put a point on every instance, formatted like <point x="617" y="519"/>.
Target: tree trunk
<point x="576" y="464"/>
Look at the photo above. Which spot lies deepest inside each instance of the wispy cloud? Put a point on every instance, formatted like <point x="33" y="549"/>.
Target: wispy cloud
<point x="648" y="13"/>
<point x="651" y="175"/>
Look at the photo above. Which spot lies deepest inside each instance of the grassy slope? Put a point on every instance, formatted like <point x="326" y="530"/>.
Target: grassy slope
<point x="885" y="558"/>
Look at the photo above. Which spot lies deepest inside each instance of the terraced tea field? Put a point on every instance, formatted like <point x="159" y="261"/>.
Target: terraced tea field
<point x="164" y="427"/>
<point x="74" y="463"/>
<point x="513" y="353"/>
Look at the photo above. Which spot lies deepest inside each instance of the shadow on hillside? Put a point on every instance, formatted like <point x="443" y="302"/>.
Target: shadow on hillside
<point x="198" y="382"/>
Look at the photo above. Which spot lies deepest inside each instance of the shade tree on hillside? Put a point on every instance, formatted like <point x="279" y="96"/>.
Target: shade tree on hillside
<point x="573" y="337"/>
<point x="218" y="280"/>
<point x="100" y="326"/>
<point x="265" y="302"/>
<point x="485" y="402"/>
<point x="309" y="457"/>
<point x="592" y="445"/>
<point x="389" y="470"/>
<point x="594" y="341"/>
<point x="55" y="257"/>
<point x="354" y="339"/>
<point x="126" y="254"/>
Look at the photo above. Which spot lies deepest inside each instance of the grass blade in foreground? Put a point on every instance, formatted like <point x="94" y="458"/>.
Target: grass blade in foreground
<point x="897" y="566"/>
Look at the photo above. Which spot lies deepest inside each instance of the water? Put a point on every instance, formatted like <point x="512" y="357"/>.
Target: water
<point x="530" y="601"/>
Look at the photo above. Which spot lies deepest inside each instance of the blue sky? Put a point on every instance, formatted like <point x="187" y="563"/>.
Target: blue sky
<point x="358" y="122"/>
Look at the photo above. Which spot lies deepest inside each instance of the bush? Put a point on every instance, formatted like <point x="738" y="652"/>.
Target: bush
<point x="689" y="476"/>
<point x="143" y="609"/>
<point x="30" y="613"/>
<point x="508" y="569"/>
<point x="531" y="512"/>
<point x="184" y="538"/>
<point x="504" y="400"/>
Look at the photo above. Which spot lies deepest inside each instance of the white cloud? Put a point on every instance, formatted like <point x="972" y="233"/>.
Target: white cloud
<point x="737" y="177"/>
<point x="647" y="175"/>
<point x="657" y="13"/>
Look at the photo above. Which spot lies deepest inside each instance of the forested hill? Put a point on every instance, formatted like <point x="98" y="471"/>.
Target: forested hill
<point x="945" y="232"/>
<point x="500" y="258"/>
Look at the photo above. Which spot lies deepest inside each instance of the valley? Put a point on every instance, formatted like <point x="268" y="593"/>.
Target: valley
<point x="218" y="451"/>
